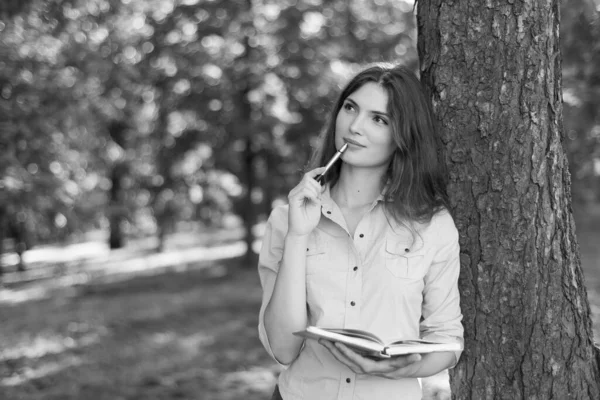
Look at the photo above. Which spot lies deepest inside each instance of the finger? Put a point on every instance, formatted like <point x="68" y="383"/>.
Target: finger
<point x="314" y="191"/>
<point x="309" y="193"/>
<point x="308" y="179"/>
<point x="340" y="357"/>
<point x="313" y="173"/>
<point x="400" y="372"/>
<point x="387" y="368"/>
<point x="314" y="184"/>
<point x="401" y="366"/>
<point x="304" y="193"/>
<point x="349" y="361"/>
<point x="403" y="361"/>
<point x="366" y="364"/>
<point x="308" y="184"/>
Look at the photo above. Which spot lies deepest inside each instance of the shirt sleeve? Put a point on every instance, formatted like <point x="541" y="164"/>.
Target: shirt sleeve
<point x="269" y="261"/>
<point x="441" y="314"/>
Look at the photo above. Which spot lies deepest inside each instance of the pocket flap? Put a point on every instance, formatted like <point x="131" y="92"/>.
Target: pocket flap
<point x="314" y="250"/>
<point x="395" y="247"/>
<point x="315" y="246"/>
<point x="404" y="259"/>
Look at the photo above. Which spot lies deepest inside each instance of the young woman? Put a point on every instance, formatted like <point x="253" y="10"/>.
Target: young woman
<point x="374" y="249"/>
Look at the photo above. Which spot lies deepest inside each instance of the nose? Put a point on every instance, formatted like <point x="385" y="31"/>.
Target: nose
<point x="357" y="125"/>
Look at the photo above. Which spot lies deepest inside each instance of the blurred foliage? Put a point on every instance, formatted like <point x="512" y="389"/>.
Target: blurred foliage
<point x="153" y="114"/>
<point x="136" y="108"/>
<point x="580" y="42"/>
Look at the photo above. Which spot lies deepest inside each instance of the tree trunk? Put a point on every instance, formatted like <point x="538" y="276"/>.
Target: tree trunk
<point x="269" y="196"/>
<point x="2" y="237"/>
<point x="249" y="208"/>
<point x="161" y="203"/>
<point x="246" y="128"/>
<point x="19" y="234"/>
<point x="116" y="201"/>
<point x="10" y="8"/>
<point x="494" y="75"/>
<point x="116" y="206"/>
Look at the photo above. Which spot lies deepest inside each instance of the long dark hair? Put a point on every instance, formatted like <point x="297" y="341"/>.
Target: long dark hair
<point x="416" y="179"/>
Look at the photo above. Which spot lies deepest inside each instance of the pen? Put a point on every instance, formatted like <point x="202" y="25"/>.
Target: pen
<point x="320" y="178"/>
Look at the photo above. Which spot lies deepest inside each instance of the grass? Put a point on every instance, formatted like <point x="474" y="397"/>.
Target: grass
<point x="181" y="332"/>
<point x="175" y="335"/>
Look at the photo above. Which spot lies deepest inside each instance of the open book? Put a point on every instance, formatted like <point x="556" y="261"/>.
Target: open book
<point x="369" y="344"/>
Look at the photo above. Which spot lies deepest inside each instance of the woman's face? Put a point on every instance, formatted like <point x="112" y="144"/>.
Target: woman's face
<point x="363" y="123"/>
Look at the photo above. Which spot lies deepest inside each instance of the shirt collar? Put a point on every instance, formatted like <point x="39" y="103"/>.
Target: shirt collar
<point x="327" y="201"/>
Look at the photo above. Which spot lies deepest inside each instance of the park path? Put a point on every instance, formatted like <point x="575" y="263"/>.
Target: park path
<point x="53" y="267"/>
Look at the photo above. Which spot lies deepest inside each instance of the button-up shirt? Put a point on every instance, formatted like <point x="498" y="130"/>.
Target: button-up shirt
<point x="389" y="279"/>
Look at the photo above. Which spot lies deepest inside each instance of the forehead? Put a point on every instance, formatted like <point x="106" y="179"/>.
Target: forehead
<point x="371" y="95"/>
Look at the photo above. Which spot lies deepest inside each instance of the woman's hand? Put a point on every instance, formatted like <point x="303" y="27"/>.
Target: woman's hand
<point x="305" y="204"/>
<point x="391" y="368"/>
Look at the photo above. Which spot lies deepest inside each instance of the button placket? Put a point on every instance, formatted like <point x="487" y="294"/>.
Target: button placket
<point x="347" y="389"/>
<point x="354" y="288"/>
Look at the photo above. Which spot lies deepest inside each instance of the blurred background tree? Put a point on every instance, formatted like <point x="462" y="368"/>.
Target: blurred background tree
<point x="144" y="118"/>
<point x="580" y="41"/>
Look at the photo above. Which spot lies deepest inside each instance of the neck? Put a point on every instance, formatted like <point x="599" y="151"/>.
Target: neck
<point x="357" y="187"/>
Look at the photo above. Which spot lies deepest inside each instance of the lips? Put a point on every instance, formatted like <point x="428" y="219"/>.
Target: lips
<point x="355" y="143"/>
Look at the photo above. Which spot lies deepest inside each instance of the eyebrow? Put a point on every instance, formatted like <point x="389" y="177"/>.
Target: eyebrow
<point x="373" y="111"/>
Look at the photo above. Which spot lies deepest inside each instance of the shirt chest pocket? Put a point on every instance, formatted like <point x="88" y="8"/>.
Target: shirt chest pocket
<point x="403" y="262"/>
<point x="317" y="255"/>
<point x="325" y="280"/>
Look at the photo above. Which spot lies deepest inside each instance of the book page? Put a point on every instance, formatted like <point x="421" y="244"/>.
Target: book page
<point x="420" y="347"/>
<point x="412" y="341"/>
<point x="356" y="342"/>
<point x="357" y="333"/>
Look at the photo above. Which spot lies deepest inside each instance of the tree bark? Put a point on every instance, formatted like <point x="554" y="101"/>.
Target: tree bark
<point x="493" y="71"/>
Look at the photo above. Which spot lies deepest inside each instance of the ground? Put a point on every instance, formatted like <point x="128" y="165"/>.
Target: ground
<point x="140" y="325"/>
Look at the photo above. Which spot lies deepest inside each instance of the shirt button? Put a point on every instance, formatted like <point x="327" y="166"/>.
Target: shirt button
<point x="352" y="303"/>
<point x="355" y="268"/>
<point x="361" y="235"/>
<point x="348" y="380"/>
<point x="406" y="250"/>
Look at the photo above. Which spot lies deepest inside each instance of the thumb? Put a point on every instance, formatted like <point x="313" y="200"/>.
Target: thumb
<point x="413" y="358"/>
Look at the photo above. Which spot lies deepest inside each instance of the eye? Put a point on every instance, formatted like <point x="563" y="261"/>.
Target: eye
<point x="348" y="107"/>
<point x="380" y="120"/>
